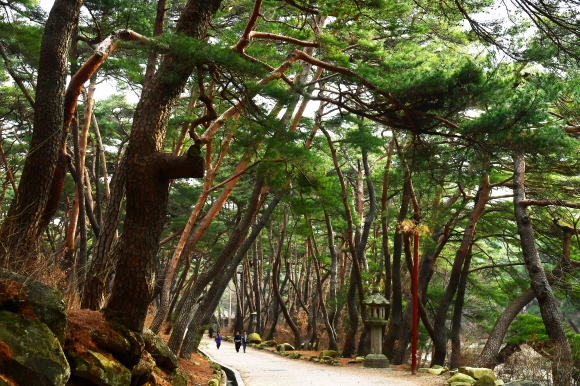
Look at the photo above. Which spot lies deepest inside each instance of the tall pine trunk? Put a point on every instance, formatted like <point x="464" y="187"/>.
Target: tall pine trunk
<point x="440" y="341"/>
<point x="562" y="364"/>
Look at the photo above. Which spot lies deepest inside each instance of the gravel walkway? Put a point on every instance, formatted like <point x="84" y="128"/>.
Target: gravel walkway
<point x="259" y="368"/>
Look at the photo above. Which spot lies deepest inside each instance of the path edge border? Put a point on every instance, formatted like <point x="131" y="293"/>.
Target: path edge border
<point x="227" y="369"/>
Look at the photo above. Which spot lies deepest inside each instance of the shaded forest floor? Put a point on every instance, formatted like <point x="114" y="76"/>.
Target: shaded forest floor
<point x="197" y="367"/>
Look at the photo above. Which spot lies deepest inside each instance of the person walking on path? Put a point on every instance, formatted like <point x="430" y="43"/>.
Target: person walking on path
<point x="245" y="340"/>
<point x="238" y="341"/>
<point x="211" y="331"/>
<point x="218" y="339"/>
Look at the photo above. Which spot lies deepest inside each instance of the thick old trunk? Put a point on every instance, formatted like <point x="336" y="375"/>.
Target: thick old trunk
<point x="24" y="223"/>
<point x="149" y="172"/>
<point x="147" y="193"/>
<point x="163" y="309"/>
<point x="562" y="364"/>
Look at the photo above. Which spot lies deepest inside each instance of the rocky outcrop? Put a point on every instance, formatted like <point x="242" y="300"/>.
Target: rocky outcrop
<point x="41" y="345"/>
<point x="144" y="357"/>
<point x="163" y="356"/>
<point x="141" y="372"/>
<point x="99" y="369"/>
<point x="33" y="319"/>
<point x="33" y="300"/>
<point x="30" y="353"/>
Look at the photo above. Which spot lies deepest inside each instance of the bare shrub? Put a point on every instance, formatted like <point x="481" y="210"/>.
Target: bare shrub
<point x="526" y="364"/>
<point x="37" y="266"/>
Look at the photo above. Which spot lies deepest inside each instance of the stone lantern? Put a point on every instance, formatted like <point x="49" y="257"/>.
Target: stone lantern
<point x="376" y="311"/>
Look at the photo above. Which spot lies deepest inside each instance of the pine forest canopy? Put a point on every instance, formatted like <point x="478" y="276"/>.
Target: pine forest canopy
<point x="300" y="144"/>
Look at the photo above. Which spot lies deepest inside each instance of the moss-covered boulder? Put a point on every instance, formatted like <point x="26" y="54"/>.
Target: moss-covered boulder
<point x="163" y="356"/>
<point x="4" y="381"/>
<point x="328" y="353"/>
<point x="99" y="369"/>
<point x="141" y="372"/>
<point x="271" y="343"/>
<point x="90" y="330"/>
<point x="435" y="371"/>
<point x="34" y="300"/>
<point x="179" y="378"/>
<point x="254" y="337"/>
<point x="485" y="380"/>
<point x="477" y="372"/>
<point x="285" y="347"/>
<point x="460" y="377"/>
<point x="30" y="352"/>
<point x="460" y="384"/>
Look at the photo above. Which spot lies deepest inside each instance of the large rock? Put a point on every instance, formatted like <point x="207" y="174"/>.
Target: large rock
<point x="254" y="337"/>
<point x="285" y="347"/>
<point x="271" y="343"/>
<point x="328" y="353"/>
<point x="163" y="356"/>
<point x="4" y="381"/>
<point x="485" y="380"/>
<point x="435" y="371"/>
<point x="460" y="377"/>
<point x="99" y="369"/>
<point x="33" y="300"/>
<point x="30" y="352"/>
<point x="477" y="372"/>
<point x="89" y="330"/>
<point x="141" y="373"/>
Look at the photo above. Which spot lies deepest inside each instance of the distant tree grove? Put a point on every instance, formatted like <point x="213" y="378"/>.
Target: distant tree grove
<point x="293" y="149"/>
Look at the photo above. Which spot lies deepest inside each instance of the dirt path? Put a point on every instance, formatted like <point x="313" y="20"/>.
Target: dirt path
<point x="259" y="368"/>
